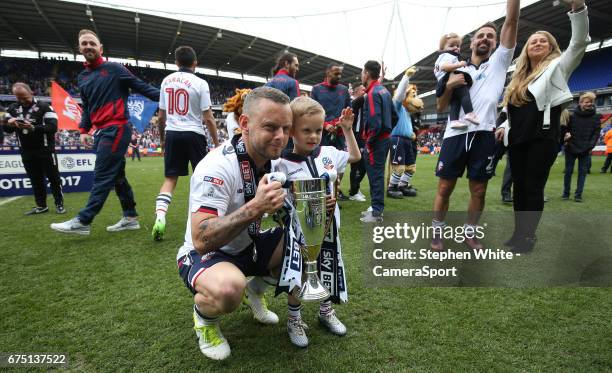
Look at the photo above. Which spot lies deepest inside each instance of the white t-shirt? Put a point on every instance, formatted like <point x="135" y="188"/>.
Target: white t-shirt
<point x="216" y="187"/>
<point x="329" y="158"/>
<point x="231" y="124"/>
<point x="488" y="85"/>
<point x="445" y="58"/>
<point x="184" y="97"/>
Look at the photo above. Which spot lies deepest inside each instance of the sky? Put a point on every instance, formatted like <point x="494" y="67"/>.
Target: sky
<point x="400" y="32"/>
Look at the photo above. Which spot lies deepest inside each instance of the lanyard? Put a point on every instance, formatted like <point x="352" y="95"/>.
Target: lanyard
<point x="250" y="179"/>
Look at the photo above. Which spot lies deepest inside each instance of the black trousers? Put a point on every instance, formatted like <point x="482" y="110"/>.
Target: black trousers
<point x="530" y="164"/>
<point x="506" y="187"/>
<point x="460" y="100"/>
<point x="135" y="153"/>
<point x="607" y="163"/>
<point x="358" y="172"/>
<point x="38" y="164"/>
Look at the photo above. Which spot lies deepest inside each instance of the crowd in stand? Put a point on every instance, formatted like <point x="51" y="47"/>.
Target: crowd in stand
<point x="40" y="72"/>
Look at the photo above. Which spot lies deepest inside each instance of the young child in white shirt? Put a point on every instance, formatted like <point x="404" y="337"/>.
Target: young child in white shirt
<point x="308" y="160"/>
<point x="449" y="62"/>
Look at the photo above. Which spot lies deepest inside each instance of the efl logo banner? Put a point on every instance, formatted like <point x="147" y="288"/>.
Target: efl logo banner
<point x="75" y="166"/>
<point x="68" y="111"/>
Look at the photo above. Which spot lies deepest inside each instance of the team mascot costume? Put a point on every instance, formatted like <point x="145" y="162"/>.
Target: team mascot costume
<point x="403" y="138"/>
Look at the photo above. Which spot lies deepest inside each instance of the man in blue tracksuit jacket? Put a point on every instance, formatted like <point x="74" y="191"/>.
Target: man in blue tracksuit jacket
<point x="104" y="90"/>
<point x="377" y="132"/>
<point x="334" y="97"/>
<point x="285" y="72"/>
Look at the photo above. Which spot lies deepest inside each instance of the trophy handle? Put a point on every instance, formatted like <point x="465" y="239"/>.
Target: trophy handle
<point x="330" y="216"/>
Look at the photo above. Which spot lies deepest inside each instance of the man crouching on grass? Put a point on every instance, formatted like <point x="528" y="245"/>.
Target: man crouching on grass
<point x="229" y="193"/>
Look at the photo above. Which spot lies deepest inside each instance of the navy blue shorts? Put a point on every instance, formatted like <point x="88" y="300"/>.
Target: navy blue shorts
<point x="192" y="265"/>
<point x="402" y="152"/>
<point x="474" y="151"/>
<point x="182" y="148"/>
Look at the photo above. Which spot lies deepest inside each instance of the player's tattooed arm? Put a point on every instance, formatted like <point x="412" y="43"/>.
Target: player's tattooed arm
<point x="210" y="232"/>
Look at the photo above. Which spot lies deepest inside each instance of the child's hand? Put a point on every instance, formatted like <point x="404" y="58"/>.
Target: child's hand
<point x="330" y="204"/>
<point x="346" y="119"/>
<point x="331" y="129"/>
<point x="410" y="71"/>
<point x="462" y="64"/>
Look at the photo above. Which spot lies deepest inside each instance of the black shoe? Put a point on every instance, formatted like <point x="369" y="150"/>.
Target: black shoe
<point x="393" y="192"/>
<point x="565" y="197"/>
<point x="578" y="198"/>
<point x="512" y="241"/>
<point x="408" y="191"/>
<point x="602" y="171"/>
<point x="507" y="198"/>
<point x="37" y="210"/>
<point x="59" y="209"/>
<point x="341" y="196"/>
<point x="524" y="245"/>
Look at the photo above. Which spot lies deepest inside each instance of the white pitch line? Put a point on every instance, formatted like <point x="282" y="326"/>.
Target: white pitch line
<point x="10" y="199"/>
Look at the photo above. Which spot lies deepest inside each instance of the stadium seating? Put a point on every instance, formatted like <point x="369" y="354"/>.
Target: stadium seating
<point x="594" y="72"/>
<point x="39" y="73"/>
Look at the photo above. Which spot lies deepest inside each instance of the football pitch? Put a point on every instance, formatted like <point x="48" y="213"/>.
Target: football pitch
<point x="114" y="301"/>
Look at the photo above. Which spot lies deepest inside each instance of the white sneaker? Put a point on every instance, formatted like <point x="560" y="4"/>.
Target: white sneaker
<point x="458" y="125"/>
<point x="332" y="323"/>
<point x="361" y="194"/>
<point x="297" y="331"/>
<point x="73" y="226"/>
<point x="257" y="303"/>
<point x="125" y="224"/>
<point x="212" y="343"/>
<point x="358" y="197"/>
<point x="369" y="218"/>
<point x="367" y="212"/>
<point x="472" y="118"/>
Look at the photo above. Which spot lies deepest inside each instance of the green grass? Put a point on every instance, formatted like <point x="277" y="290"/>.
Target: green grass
<point x="115" y="302"/>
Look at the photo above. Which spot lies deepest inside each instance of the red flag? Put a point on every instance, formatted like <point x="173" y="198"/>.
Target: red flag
<point x="68" y="111"/>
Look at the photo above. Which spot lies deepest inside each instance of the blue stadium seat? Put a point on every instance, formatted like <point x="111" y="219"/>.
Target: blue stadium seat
<point x="594" y="72"/>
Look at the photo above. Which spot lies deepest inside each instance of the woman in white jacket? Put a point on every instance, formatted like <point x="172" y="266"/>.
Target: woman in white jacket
<point x="534" y="99"/>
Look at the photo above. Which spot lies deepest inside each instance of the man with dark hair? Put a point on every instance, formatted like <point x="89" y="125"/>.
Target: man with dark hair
<point x="377" y="114"/>
<point x="473" y="148"/>
<point x="285" y="71"/>
<point x="334" y="97"/>
<point x="36" y="124"/>
<point x="184" y="105"/>
<point x="104" y="88"/>
<point x="229" y="193"/>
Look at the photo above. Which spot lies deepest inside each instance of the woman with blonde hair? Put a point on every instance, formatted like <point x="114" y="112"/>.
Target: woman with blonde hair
<point x="534" y="98"/>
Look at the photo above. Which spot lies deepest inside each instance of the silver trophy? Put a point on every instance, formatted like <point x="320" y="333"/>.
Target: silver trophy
<point x="309" y="197"/>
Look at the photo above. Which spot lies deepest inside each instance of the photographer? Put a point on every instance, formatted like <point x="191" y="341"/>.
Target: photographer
<point x="35" y="124"/>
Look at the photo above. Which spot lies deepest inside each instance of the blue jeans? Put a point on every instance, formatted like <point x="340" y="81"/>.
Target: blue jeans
<point x="110" y="146"/>
<point x="376" y="159"/>
<point x="583" y="167"/>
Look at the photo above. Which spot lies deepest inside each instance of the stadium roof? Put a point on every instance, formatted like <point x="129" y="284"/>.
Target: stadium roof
<point x="52" y="26"/>
<point x="543" y="15"/>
